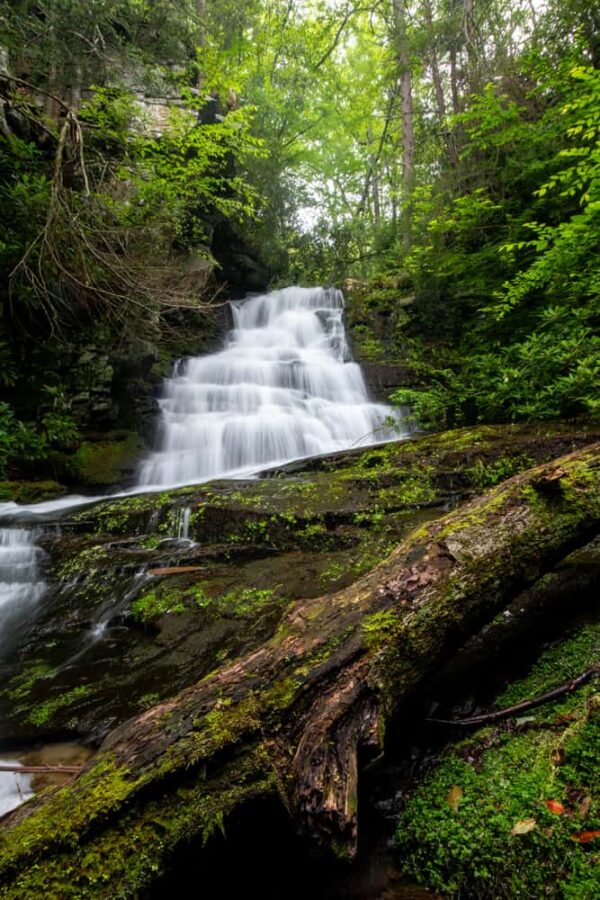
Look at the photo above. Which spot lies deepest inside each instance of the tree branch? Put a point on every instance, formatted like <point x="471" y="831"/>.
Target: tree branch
<point x="510" y="711"/>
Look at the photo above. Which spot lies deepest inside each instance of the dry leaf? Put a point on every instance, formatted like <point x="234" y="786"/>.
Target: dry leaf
<point x="555" y="807"/>
<point x="524" y="826"/>
<point x="524" y="720"/>
<point x="565" y="718"/>
<point x="584" y="807"/>
<point x="455" y="796"/>
<point x="584" y="837"/>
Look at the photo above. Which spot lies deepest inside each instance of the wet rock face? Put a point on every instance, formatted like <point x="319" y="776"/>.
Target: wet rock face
<point x="150" y="593"/>
<point x="382" y="378"/>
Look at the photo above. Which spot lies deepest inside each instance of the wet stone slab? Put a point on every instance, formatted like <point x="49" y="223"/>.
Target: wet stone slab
<point x="147" y="594"/>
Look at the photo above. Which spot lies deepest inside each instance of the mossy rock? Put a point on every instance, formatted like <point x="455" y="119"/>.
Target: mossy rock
<point x="107" y="462"/>
<point x="510" y="811"/>
<point x="30" y="491"/>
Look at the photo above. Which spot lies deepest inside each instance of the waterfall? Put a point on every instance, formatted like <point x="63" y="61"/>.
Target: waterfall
<point x="284" y="387"/>
<point x="15" y="789"/>
<point x="21" y="586"/>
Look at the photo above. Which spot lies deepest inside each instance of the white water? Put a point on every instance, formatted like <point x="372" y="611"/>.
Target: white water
<point x="14" y="788"/>
<point x="21" y="585"/>
<point x="283" y="388"/>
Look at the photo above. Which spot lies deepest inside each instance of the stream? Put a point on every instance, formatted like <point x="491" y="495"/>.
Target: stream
<point x="283" y="388"/>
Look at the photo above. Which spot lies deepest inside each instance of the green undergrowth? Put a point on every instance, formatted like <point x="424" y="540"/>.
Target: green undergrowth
<point x="483" y="475"/>
<point x="511" y="811"/>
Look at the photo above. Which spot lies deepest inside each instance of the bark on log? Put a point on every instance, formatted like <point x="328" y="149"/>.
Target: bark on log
<point x="297" y="718"/>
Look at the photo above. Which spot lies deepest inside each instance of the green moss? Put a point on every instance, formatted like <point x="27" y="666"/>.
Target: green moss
<point x="558" y="664"/>
<point x="125" y="860"/>
<point x="245" y="601"/>
<point x="379" y="627"/>
<point x="30" y="491"/>
<point x="107" y="462"/>
<point x="88" y="561"/>
<point x="20" y="686"/>
<point x="505" y="775"/>
<point x="154" y="604"/>
<point x="146" y="701"/>
<point x="42" y="714"/>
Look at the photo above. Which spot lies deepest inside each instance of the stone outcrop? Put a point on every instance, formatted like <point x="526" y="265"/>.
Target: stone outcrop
<point x="292" y="704"/>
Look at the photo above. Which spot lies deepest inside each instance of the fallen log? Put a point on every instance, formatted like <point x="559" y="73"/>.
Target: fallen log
<point x="298" y="718"/>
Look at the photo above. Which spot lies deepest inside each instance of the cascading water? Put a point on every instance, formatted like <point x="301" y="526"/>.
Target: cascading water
<point x="14" y="788"/>
<point x="21" y="586"/>
<point x="283" y="388"/>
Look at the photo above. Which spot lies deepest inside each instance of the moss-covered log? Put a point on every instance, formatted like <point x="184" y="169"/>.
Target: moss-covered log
<point x="299" y="716"/>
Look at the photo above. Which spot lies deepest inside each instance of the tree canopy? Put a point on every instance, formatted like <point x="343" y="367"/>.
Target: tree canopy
<point x="444" y="153"/>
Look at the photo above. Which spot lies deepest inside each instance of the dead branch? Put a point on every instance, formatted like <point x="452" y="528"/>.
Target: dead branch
<point x="510" y="711"/>
<point x="42" y="770"/>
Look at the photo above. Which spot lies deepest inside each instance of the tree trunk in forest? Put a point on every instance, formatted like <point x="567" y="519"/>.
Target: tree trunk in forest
<point x="201" y="13"/>
<point x="439" y="89"/>
<point x="373" y="168"/>
<point x="51" y="106"/>
<point x="403" y="60"/>
<point x="469" y="31"/>
<point x="201" y="36"/>
<point x="454" y="81"/>
<point x="298" y="718"/>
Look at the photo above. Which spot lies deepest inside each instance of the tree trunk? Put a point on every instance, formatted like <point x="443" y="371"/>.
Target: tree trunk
<point x="298" y="718"/>
<point x="51" y="106"/>
<point x="402" y="50"/>
<point x="469" y="31"/>
<point x="201" y="14"/>
<point x="373" y="168"/>
<point x="200" y="38"/>
<point x="454" y="81"/>
<point x="438" y="87"/>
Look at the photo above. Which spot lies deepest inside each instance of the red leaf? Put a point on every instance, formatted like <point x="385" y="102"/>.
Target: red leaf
<point x="584" y="837"/>
<point x="555" y="807"/>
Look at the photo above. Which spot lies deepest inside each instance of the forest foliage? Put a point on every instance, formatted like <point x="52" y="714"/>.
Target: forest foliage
<point x="444" y="153"/>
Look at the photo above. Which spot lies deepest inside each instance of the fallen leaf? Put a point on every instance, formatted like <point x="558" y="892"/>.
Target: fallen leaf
<point x="175" y="570"/>
<point x="524" y="720"/>
<point x="555" y="807"/>
<point x="524" y="826"/>
<point x="455" y="796"/>
<point x="584" y="837"/>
